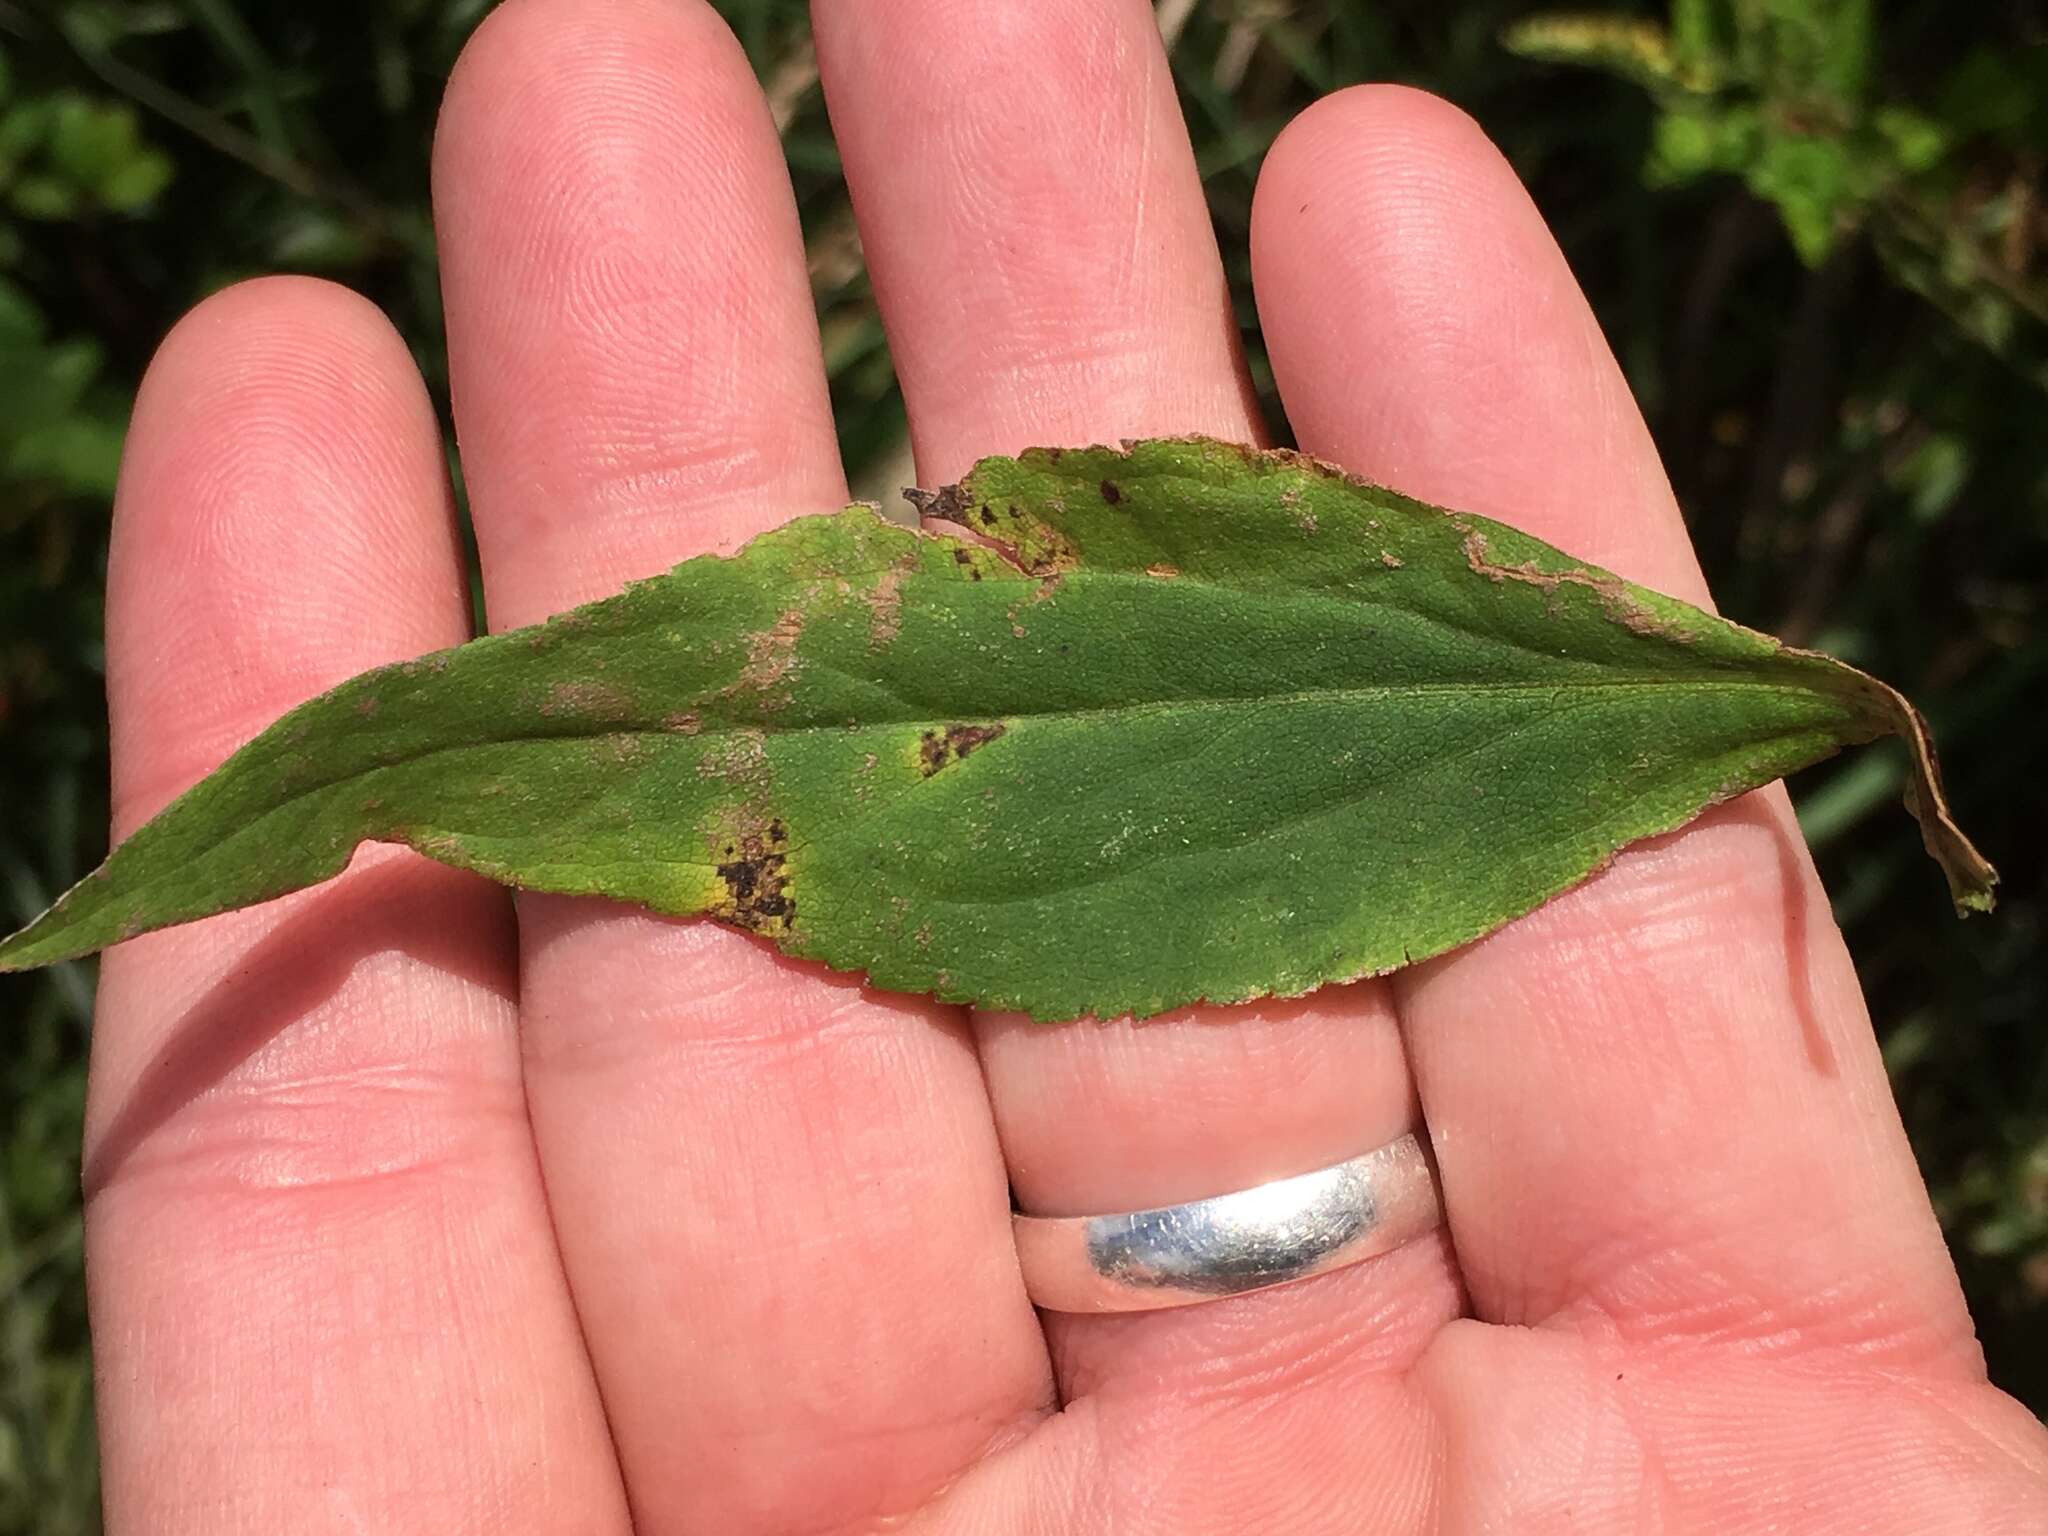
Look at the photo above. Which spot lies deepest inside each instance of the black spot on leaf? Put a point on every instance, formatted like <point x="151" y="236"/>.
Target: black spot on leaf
<point x="756" y="877"/>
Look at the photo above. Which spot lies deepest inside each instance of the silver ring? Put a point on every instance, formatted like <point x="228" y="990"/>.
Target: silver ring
<point x="1309" y="1224"/>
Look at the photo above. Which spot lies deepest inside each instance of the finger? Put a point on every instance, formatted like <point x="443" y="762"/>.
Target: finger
<point x="1656" y="1103"/>
<point x="1044" y="259"/>
<point x="780" y="1199"/>
<point x="1046" y="271"/>
<point x="324" y="1291"/>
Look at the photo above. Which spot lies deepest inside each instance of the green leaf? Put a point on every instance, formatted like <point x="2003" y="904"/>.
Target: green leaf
<point x="1182" y="721"/>
<point x="100" y="149"/>
<point x="136" y="181"/>
<point x="1912" y="141"/>
<point x="1840" y="46"/>
<point x="43" y="197"/>
<point x="1698" y="32"/>
<point x="1811" y="180"/>
<point x="1691" y="141"/>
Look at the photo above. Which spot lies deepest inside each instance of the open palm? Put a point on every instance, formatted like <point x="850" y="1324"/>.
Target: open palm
<point x="416" y="1208"/>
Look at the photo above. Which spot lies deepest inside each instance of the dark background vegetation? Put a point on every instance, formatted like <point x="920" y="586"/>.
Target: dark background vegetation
<point x="1812" y="232"/>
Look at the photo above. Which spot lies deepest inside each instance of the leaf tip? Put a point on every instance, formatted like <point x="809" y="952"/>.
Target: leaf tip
<point x="1972" y="882"/>
<point x="1976" y="899"/>
<point x="69" y="929"/>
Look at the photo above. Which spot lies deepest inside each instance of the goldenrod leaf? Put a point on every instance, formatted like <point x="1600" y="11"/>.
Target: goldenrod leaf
<point x="1172" y="722"/>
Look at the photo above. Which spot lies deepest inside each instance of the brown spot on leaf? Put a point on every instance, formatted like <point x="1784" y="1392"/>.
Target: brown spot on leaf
<point x="1390" y="560"/>
<point x="685" y="724"/>
<point x="940" y="749"/>
<point x="1163" y="572"/>
<point x="1111" y="493"/>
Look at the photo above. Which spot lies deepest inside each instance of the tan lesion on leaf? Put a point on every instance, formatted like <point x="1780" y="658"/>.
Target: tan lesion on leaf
<point x="1303" y="518"/>
<point x="738" y="757"/>
<point x="584" y="699"/>
<point x="1615" y="599"/>
<point x="771" y="655"/>
<point x="447" y="847"/>
<point x="885" y="600"/>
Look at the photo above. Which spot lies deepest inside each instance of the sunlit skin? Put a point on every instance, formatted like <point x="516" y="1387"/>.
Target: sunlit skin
<point x="417" y="1208"/>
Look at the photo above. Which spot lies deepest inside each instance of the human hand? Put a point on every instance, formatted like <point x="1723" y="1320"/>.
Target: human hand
<point x="410" y="1215"/>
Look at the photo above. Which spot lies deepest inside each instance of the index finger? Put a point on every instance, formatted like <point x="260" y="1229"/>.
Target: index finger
<point x="1657" y="1102"/>
<point x="324" y="1288"/>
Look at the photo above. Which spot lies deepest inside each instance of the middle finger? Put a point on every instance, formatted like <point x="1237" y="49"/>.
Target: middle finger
<point x="1041" y="249"/>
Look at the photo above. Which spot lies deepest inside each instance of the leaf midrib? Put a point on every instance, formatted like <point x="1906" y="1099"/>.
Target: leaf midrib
<point x="1302" y="696"/>
<point x="1378" y="692"/>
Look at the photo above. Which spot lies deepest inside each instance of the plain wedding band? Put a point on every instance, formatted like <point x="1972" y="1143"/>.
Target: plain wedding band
<point x="1271" y="1234"/>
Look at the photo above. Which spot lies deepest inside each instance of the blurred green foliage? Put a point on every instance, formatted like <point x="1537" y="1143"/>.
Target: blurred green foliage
<point x="1812" y="229"/>
<point x="1785" y="95"/>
